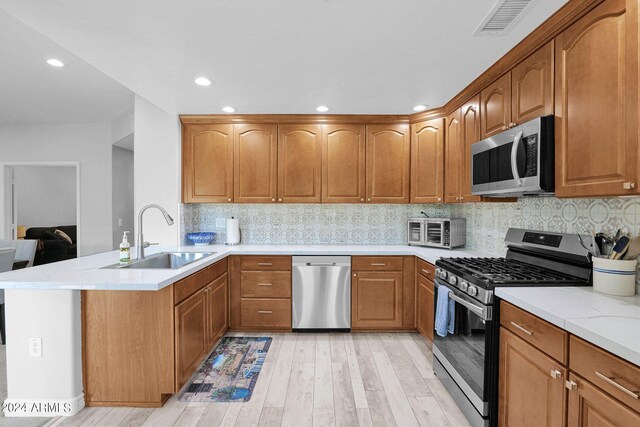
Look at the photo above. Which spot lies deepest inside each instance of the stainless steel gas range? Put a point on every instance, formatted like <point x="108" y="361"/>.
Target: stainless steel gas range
<point x="467" y="361"/>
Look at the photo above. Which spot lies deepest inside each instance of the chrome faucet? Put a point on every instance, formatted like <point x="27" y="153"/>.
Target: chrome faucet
<point x="141" y="243"/>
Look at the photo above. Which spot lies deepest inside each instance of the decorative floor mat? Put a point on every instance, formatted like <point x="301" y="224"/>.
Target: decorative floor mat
<point x="230" y="373"/>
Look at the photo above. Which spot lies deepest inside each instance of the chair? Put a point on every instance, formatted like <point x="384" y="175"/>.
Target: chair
<point x="25" y="249"/>
<point x="7" y="255"/>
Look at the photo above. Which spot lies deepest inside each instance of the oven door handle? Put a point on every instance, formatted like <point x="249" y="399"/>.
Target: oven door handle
<point x="514" y="159"/>
<point x="480" y="311"/>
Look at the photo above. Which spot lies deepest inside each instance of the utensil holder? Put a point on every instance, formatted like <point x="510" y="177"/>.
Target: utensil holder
<point x="614" y="277"/>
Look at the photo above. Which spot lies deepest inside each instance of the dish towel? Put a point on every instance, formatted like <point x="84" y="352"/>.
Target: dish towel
<point x="445" y="312"/>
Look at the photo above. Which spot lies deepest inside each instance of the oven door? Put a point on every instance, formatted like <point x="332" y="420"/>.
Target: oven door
<point x="465" y="354"/>
<point x="434" y="233"/>
<point x="415" y="232"/>
<point x="509" y="162"/>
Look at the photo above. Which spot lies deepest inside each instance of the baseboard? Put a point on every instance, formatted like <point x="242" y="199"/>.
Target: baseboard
<point x="43" y="407"/>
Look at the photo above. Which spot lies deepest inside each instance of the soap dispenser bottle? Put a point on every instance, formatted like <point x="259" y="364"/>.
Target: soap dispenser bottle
<point x="125" y="249"/>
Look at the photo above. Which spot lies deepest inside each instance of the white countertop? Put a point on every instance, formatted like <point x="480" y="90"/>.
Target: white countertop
<point x="86" y="273"/>
<point x="610" y="322"/>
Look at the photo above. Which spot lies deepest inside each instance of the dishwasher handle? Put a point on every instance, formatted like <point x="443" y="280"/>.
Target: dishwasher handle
<point x="320" y="264"/>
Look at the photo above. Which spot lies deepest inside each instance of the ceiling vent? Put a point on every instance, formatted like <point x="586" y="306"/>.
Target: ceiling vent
<point x="503" y="17"/>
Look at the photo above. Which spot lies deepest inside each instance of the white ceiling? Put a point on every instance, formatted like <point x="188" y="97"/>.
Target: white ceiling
<point x="31" y="91"/>
<point x="282" y="56"/>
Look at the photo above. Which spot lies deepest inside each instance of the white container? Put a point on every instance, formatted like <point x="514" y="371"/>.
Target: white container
<point x="233" y="231"/>
<point x="614" y="277"/>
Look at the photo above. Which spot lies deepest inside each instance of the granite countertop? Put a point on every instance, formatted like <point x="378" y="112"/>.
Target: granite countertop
<point x="86" y="273"/>
<point x="610" y="322"/>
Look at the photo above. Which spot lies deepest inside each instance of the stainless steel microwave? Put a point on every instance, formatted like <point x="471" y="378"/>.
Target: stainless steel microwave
<point x="516" y="162"/>
<point x="445" y="233"/>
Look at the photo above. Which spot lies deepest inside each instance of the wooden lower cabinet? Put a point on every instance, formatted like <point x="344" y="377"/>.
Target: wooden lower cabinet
<point x="140" y="347"/>
<point x="425" y="307"/>
<point x="376" y="299"/>
<point x="532" y="385"/>
<point x="591" y="407"/>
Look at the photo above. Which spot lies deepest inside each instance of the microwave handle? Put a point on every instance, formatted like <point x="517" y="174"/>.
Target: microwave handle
<point x="514" y="159"/>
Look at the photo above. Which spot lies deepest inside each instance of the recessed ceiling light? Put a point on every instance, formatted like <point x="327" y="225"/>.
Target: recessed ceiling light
<point x="228" y="109"/>
<point x="202" y="81"/>
<point x="322" y="109"/>
<point x="420" y="107"/>
<point x="55" y="62"/>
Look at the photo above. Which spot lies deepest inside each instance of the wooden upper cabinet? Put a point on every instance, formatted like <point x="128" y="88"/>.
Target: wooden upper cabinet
<point x="388" y="162"/>
<point x="343" y="164"/>
<point x="427" y="161"/>
<point x="470" y="134"/>
<point x="596" y="99"/>
<point x="452" y="156"/>
<point x="207" y="163"/>
<point x="299" y="163"/>
<point x="495" y="106"/>
<point x="255" y="163"/>
<point x="532" y="86"/>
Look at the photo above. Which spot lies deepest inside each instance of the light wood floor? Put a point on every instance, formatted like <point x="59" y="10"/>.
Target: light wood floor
<point x="381" y="379"/>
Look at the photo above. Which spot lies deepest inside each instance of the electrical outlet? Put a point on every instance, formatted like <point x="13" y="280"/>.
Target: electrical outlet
<point x="35" y="347"/>
<point x="221" y="223"/>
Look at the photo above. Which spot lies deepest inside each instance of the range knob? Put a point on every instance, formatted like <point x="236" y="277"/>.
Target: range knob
<point x="473" y="291"/>
<point x="464" y="285"/>
<point x="441" y="274"/>
<point x="453" y="280"/>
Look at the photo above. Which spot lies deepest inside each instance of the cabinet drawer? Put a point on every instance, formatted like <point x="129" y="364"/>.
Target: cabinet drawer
<point x="266" y="313"/>
<point x="616" y="376"/>
<point x="265" y="284"/>
<point x="261" y="263"/>
<point x="376" y="263"/>
<point x="543" y="335"/>
<point x="191" y="284"/>
<point x="426" y="269"/>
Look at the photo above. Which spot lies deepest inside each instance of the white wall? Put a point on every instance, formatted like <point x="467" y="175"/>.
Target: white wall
<point x="88" y="143"/>
<point x="45" y="195"/>
<point x="123" y="210"/>
<point x="157" y="169"/>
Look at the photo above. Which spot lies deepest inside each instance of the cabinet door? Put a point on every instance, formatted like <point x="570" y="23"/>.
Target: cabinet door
<point x="217" y="309"/>
<point x="256" y="163"/>
<point x="299" y="163"/>
<point x="531" y="386"/>
<point x="207" y="163"/>
<point x="343" y="164"/>
<point x="596" y="99"/>
<point x="425" y="307"/>
<point x="376" y="299"/>
<point x="532" y="86"/>
<point x="469" y="134"/>
<point x="452" y="158"/>
<point x="591" y="407"/>
<point x="388" y="152"/>
<point x="427" y="161"/>
<point x="191" y="340"/>
<point x="495" y="106"/>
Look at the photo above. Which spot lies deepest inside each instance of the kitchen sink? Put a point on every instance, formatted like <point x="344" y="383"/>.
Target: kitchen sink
<point x="166" y="260"/>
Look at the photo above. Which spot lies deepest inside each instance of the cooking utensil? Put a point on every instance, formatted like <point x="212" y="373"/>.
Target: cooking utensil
<point x="595" y="244"/>
<point x="617" y="236"/>
<point x="581" y="240"/>
<point x="622" y="244"/>
<point x="633" y="251"/>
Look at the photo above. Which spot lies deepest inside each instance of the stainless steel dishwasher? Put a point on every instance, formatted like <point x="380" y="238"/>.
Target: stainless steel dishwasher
<point x="321" y="294"/>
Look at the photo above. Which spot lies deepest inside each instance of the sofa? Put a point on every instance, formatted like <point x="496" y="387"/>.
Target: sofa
<point x="52" y="248"/>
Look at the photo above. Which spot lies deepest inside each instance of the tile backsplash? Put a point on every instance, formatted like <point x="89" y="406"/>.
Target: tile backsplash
<point x="487" y="223"/>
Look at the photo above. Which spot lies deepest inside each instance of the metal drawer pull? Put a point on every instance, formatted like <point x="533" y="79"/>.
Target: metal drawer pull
<point x="571" y="385"/>
<point x="526" y="331"/>
<point x="265" y="284"/>
<point x="623" y="389"/>
<point x="265" y="263"/>
<point x="378" y="264"/>
<point x="265" y="312"/>
<point x="425" y="271"/>
<point x="555" y="373"/>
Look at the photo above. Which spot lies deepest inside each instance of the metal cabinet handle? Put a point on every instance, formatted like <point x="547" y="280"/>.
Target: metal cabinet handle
<point x="362" y="199"/>
<point x="229" y="199"/>
<point x="265" y="312"/>
<point x="571" y="385"/>
<point x="265" y="263"/>
<point x="628" y="185"/>
<point x="280" y="200"/>
<point x="378" y="264"/>
<point x="526" y="331"/>
<point x="425" y="271"/>
<point x="622" y="388"/>
<point x="273" y="200"/>
<point x="265" y="284"/>
<point x="555" y="373"/>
